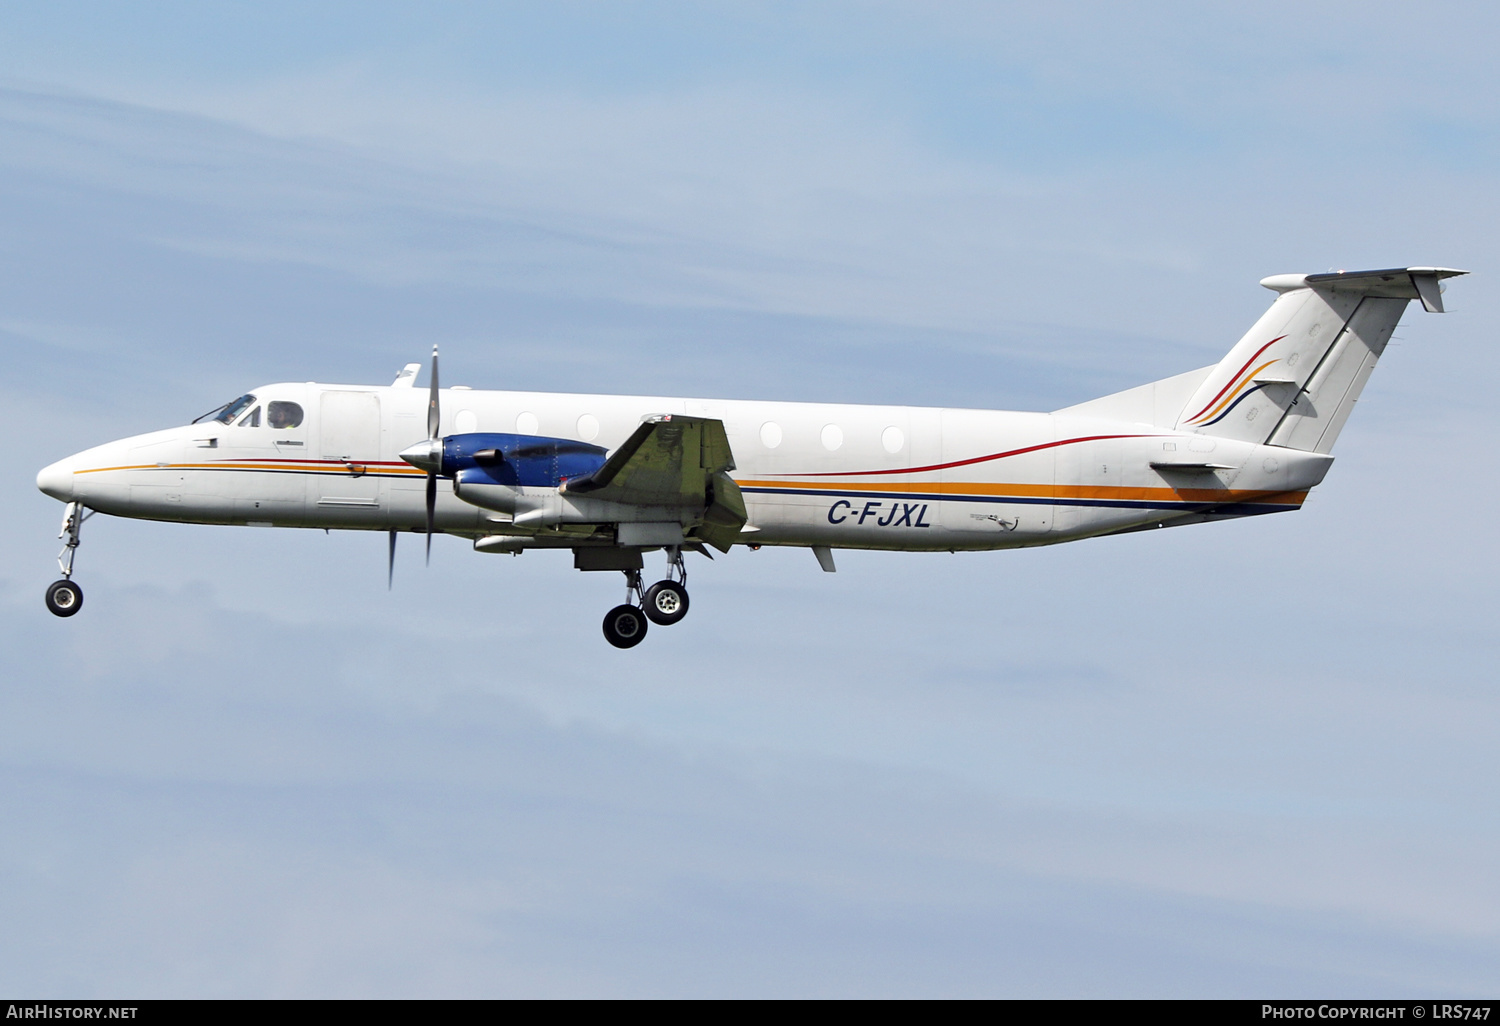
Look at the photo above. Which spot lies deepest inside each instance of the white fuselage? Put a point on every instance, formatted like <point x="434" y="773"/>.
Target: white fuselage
<point x="842" y="476"/>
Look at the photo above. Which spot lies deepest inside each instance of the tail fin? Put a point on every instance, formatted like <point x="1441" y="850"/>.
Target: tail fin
<point x="1294" y="377"/>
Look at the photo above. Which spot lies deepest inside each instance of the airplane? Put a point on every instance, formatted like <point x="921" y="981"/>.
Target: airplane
<point x="613" y="477"/>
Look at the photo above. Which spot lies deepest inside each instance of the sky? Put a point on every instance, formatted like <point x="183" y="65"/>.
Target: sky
<point x="1244" y="759"/>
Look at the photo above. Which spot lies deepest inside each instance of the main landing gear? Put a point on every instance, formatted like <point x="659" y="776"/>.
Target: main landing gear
<point x="64" y="598"/>
<point x="664" y="603"/>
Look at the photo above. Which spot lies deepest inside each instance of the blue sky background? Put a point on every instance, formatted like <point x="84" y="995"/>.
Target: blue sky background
<point x="1243" y="759"/>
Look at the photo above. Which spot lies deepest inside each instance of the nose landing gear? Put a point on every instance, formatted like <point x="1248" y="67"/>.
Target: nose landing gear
<point x="64" y="598"/>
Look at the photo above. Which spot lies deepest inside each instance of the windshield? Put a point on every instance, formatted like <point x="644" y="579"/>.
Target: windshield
<point x="230" y="410"/>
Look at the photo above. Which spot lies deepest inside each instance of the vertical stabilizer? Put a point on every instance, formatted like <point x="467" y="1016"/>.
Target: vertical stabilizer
<point x="1294" y="377"/>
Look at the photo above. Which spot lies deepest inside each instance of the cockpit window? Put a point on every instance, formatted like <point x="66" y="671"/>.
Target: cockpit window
<point x="251" y="419"/>
<point x="226" y="413"/>
<point x="284" y="415"/>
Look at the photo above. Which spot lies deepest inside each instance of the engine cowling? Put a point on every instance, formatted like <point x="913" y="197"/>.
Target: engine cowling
<point x="489" y="469"/>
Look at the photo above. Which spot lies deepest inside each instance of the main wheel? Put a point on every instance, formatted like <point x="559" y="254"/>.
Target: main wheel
<point x="64" y="598"/>
<point x="666" y="602"/>
<point x="625" y="626"/>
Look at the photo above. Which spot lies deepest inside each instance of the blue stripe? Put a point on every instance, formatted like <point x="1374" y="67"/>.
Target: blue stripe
<point x="1013" y="500"/>
<point x="1248" y="392"/>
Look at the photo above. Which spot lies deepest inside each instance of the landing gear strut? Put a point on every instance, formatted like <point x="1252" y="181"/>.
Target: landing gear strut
<point x="666" y="602"/>
<point x="64" y="598"/>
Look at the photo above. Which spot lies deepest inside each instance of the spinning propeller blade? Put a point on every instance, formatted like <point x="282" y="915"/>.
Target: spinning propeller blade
<point x="434" y="422"/>
<point x="390" y="568"/>
<point x="431" y="505"/>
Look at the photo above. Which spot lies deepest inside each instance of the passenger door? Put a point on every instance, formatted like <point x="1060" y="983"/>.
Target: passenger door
<point x="349" y="445"/>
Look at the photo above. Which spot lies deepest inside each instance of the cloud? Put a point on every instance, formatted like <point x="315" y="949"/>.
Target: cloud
<point x="1245" y="758"/>
<point x="210" y="819"/>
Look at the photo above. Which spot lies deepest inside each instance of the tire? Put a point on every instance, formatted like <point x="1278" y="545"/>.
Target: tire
<point x="666" y="602"/>
<point x="625" y="626"/>
<point x="64" y="598"/>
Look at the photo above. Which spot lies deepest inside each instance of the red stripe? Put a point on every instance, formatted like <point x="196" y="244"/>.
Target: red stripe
<point x="1236" y="377"/>
<point x="965" y="463"/>
<point x="327" y="463"/>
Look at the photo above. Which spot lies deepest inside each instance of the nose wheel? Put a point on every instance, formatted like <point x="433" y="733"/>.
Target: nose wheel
<point x="64" y="598"/>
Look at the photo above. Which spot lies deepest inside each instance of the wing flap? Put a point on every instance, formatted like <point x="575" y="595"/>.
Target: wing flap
<point x="676" y="461"/>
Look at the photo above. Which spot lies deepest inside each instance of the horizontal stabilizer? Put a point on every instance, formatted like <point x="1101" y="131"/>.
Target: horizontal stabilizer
<point x="1390" y="283"/>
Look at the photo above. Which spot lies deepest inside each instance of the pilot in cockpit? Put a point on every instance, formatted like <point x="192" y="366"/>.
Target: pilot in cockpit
<point x="284" y="415"/>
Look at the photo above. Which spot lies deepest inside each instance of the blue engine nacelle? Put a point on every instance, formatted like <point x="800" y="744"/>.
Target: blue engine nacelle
<point x="517" y="461"/>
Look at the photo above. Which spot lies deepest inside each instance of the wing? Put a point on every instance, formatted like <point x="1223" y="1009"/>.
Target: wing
<point x="674" y="461"/>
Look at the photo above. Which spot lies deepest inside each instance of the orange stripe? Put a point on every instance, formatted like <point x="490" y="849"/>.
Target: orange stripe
<point x="1037" y="491"/>
<point x="340" y="469"/>
<point x="1230" y="397"/>
<point x="1236" y="377"/>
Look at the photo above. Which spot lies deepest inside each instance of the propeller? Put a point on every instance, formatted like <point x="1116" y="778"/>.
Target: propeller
<point x="428" y="455"/>
<point x="390" y="567"/>
<point x="434" y="419"/>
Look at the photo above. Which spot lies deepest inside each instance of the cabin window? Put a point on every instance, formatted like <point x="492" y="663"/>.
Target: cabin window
<point x="251" y="419"/>
<point x="284" y="415"/>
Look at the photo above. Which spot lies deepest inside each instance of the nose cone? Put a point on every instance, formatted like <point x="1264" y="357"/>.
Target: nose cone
<point x="425" y="455"/>
<point x="57" y="480"/>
